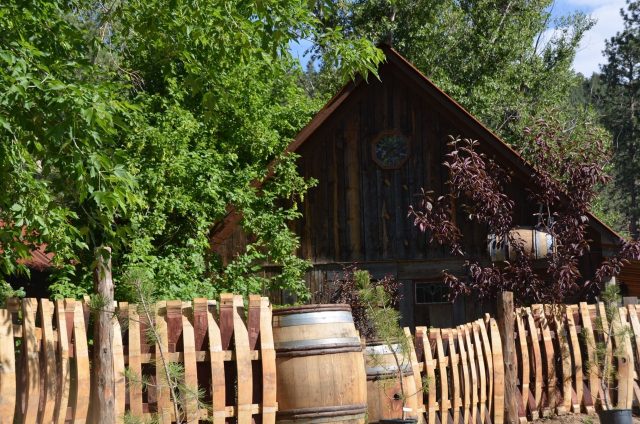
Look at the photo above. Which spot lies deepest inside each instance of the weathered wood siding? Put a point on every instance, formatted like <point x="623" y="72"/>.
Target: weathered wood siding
<point x="358" y="210"/>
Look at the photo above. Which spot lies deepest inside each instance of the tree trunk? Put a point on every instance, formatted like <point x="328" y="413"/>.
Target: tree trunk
<point x="103" y="399"/>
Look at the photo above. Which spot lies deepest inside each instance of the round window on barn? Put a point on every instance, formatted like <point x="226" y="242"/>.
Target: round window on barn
<point x="390" y="149"/>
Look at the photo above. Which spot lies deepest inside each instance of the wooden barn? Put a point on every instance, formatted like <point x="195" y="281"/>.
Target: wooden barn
<point x="372" y="148"/>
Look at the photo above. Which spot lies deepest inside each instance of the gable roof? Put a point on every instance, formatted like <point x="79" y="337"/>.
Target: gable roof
<point x="225" y="227"/>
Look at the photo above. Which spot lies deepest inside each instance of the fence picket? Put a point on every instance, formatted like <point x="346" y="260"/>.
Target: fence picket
<point x="31" y="363"/>
<point x="429" y="366"/>
<point x="216" y="356"/>
<point x="8" y="384"/>
<point x="471" y="355"/>
<point x="563" y="350"/>
<point x="590" y="393"/>
<point x="522" y="354"/>
<point x="577" y="377"/>
<point x="243" y="363"/>
<point x="134" y="362"/>
<point x="192" y="410"/>
<point x="455" y="376"/>
<point x="534" y="402"/>
<point x="635" y="327"/>
<point x="624" y="359"/>
<point x="163" y="400"/>
<point x="118" y="363"/>
<point x="498" y="372"/>
<point x="466" y="400"/>
<point x="444" y="382"/>
<point x="482" y="375"/>
<point x="48" y="368"/>
<point x="488" y="365"/>
<point x="268" y="359"/>
<point x="548" y="362"/>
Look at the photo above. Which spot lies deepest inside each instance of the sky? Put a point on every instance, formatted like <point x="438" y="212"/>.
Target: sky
<point x="609" y="21"/>
<point x="589" y="55"/>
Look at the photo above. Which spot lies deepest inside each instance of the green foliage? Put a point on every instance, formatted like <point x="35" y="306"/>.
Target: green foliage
<point x="385" y="319"/>
<point x="62" y="178"/>
<point x="500" y="60"/>
<point x="6" y="292"/>
<point x="609" y="329"/>
<point x="136" y="125"/>
<point x="615" y="93"/>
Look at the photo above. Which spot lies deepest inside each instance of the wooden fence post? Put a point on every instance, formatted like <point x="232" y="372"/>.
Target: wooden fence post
<point x="506" y="315"/>
<point x="103" y="408"/>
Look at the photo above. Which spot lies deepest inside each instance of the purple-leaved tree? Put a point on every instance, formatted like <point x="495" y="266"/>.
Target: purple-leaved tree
<point x="564" y="186"/>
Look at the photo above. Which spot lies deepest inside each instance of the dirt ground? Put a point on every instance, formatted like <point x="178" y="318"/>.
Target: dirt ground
<point x="576" y="419"/>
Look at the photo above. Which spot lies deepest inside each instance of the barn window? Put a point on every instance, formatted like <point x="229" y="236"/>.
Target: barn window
<point x="432" y="292"/>
<point x="390" y="149"/>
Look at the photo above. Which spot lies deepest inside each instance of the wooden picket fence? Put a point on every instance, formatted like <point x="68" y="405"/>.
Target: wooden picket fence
<point x="45" y="374"/>
<point x="555" y="346"/>
<point x="228" y="353"/>
<point x="464" y="370"/>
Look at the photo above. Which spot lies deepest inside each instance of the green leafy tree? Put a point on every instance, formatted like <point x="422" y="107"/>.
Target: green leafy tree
<point x="63" y="178"/>
<point x="618" y="101"/>
<point x="506" y="61"/>
<point x="135" y="124"/>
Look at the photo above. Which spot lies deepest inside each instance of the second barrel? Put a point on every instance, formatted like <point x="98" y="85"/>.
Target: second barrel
<point x="320" y="366"/>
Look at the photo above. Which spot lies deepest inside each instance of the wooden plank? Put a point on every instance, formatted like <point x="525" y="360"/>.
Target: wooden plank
<point x="119" y="383"/>
<point x="604" y="334"/>
<point x="535" y="404"/>
<point x="466" y="385"/>
<point x="498" y="373"/>
<point x="163" y="399"/>
<point x="455" y="377"/>
<point x="577" y="376"/>
<point x="268" y="361"/>
<point x="48" y="377"/>
<point x="243" y="362"/>
<point x="473" y="408"/>
<point x="201" y="341"/>
<point x="429" y="369"/>
<point x="444" y="382"/>
<point x="253" y="320"/>
<point x="624" y="359"/>
<point x="31" y="363"/>
<point x="416" y="376"/>
<point x="191" y="406"/>
<point x="8" y="384"/>
<point x="63" y="372"/>
<point x="81" y="364"/>
<point x="482" y="376"/>
<point x="134" y="364"/>
<point x="635" y="339"/>
<point x="564" y="352"/>
<point x="548" y="361"/>
<point x="216" y="356"/>
<point x="488" y="358"/>
<point x="592" y="391"/>
<point x="524" y="374"/>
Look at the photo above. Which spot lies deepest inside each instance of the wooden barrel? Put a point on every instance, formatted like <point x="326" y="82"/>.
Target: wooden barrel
<point x="319" y="365"/>
<point x="384" y="392"/>
<point x="537" y="244"/>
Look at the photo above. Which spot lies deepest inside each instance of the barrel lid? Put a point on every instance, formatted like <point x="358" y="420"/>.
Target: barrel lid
<point x="303" y="309"/>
